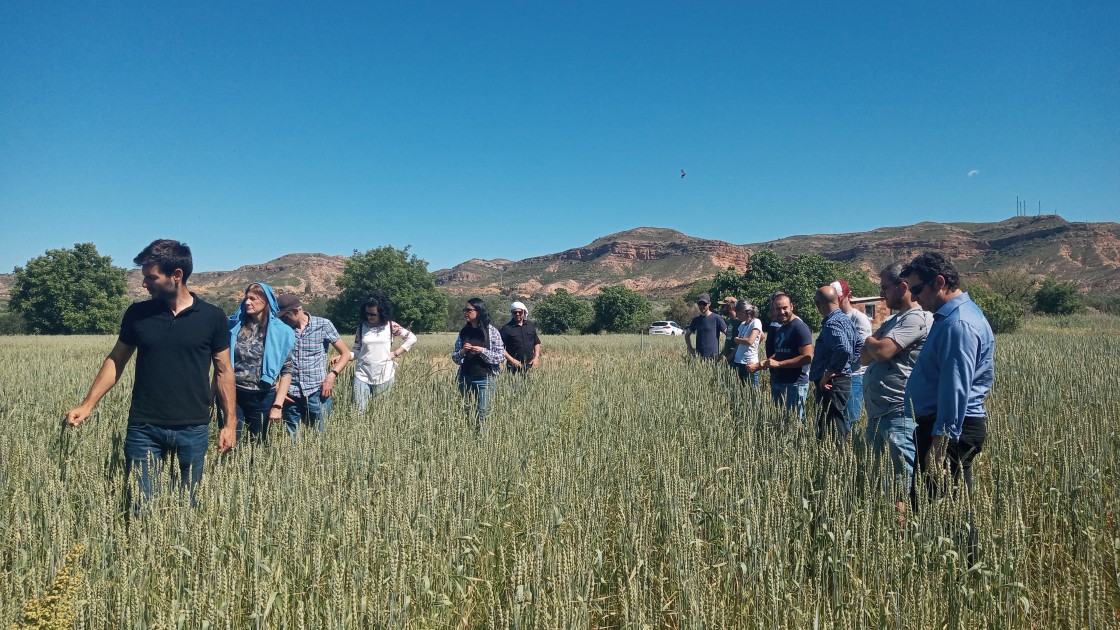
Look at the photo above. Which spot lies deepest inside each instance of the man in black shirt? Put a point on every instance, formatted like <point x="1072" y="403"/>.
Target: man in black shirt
<point x="523" y="346"/>
<point x="178" y="337"/>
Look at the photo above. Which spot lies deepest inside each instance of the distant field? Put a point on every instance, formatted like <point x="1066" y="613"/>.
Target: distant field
<point x="619" y="487"/>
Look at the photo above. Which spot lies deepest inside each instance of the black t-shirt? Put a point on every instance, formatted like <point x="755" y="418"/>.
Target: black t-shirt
<point x="474" y="367"/>
<point x="173" y="357"/>
<point x="707" y="329"/>
<point x="788" y="341"/>
<point x="520" y="340"/>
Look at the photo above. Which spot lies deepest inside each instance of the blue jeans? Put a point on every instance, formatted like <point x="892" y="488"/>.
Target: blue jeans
<point x="363" y="392"/>
<point x="895" y="433"/>
<point x="480" y="392"/>
<point x="855" y="403"/>
<point x="791" y="395"/>
<point x="745" y="375"/>
<point x="253" y="408"/>
<point x="310" y="411"/>
<point x="147" y="447"/>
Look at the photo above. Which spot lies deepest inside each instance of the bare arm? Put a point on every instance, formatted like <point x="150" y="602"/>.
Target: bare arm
<point x="338" y="362"/>
<point x="227" y="398"/>
<point x="805" y="357"/>
<point x="275" y="414"/>
<point x="111" y="369"/>
<point x="344" y="355"/>
<point x="878" y="350"/>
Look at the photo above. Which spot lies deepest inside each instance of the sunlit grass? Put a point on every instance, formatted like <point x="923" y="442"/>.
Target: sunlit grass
<point x="620" y="486"/>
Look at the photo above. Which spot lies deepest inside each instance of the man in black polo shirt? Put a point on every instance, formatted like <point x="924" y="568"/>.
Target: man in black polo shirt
<point x="523" y="346"/>
<point x="177" y="337"/>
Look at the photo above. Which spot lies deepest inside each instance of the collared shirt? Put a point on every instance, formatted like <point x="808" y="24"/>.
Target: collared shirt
<point x="520" y="341"/>
<point x="835" y="347"/>
<point x="174" y="353"/>
<point x="956" y="367"/>
<point x="730" y="347"/>
<point x="310" y="356"/>
<point x="489" y="362"/>
<point x="863" y="330"/>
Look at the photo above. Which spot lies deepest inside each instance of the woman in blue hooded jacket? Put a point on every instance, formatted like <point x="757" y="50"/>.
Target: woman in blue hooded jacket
<point x="261" y="352"/>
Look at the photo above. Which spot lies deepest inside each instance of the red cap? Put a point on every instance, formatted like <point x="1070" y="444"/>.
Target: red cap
<point x="842" y="288"/>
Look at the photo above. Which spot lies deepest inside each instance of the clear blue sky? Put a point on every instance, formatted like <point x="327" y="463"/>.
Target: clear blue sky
<point x="491" y="129"/>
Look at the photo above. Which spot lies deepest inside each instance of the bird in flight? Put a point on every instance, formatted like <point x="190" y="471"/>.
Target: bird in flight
<point x="683" y="173"/>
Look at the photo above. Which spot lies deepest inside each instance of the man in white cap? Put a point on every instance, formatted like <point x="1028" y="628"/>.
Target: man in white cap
<point x="863" y="330"/>
<point x="523" y="345"/>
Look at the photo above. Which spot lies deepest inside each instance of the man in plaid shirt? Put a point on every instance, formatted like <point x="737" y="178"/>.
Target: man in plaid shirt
<point x="309" y="397"/>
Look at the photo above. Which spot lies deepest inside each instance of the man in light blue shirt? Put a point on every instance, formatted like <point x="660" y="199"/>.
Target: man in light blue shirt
<point x="951" y="378"/>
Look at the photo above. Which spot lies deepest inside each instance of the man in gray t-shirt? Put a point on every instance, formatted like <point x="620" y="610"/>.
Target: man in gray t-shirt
<point x="890" y="355"/>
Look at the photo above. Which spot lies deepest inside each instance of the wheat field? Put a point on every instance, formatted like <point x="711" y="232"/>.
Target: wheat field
<point x="619" y="487"/>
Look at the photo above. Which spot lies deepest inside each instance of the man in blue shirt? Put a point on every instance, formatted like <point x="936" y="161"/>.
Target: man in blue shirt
<point x="792" y="353"/>
<point x="707" y="326"/>
<point x="951" y="378"/>
<point x="834" y="357"/>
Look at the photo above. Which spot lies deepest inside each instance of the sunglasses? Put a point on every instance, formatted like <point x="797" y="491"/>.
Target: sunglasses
<point x="918" y="288"/>
<point x="468" y="310"/>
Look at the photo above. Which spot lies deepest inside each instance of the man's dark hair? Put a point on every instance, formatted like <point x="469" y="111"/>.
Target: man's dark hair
<point x="893" y="272"/>
<point x="384" y="308"/>
<point x="929" y="265"/>
<point x="168" y="255"/>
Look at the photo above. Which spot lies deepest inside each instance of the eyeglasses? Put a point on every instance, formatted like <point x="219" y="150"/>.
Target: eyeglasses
<point x="918" y="288"/>
<point x="469" y="310"/>
<point x="883" y="288"/>
<point x="369" y="314"/>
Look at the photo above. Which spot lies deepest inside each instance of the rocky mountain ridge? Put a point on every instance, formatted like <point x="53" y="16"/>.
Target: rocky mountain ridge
<point x="662" y="262"/>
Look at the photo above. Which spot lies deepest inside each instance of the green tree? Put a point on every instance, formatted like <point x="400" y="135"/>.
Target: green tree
<point x="799" y="277"/>
<point x="496" y="305"/>
<point x="619" y="309"/>
<point x="11" y="324"/>
<point x="401" y="277"/>
<point x="1017" y="287"/>
<point x="1058" y="298"/>
<point x="561" y="313"/>
<point x="70" y="291"/>
<point x="1003" y="315"/>
<point x="680" y="311"/>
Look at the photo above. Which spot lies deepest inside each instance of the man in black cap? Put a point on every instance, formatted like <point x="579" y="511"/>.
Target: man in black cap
<point x="707" y="326"/>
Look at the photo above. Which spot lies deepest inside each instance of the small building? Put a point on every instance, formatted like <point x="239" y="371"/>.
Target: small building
<point x="875" y="308"/>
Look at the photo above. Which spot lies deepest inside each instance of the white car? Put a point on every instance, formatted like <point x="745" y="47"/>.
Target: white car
<point x="665" y="328"/>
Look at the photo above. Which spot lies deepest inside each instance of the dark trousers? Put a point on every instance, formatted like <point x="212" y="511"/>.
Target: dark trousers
<point x="960" y="455"/>
<point x="833" y="402"/>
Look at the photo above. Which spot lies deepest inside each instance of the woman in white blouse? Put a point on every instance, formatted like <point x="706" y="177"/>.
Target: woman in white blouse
<point x="374" y="365"/>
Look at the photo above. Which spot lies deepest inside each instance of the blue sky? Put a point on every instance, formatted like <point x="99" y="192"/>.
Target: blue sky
<point x="255" y="129"/>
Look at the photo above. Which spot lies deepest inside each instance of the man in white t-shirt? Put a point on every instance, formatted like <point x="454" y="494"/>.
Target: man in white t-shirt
<point x="863" y="331"/>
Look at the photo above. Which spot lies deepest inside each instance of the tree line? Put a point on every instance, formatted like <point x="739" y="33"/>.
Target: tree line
<point x="78" y="291"/>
